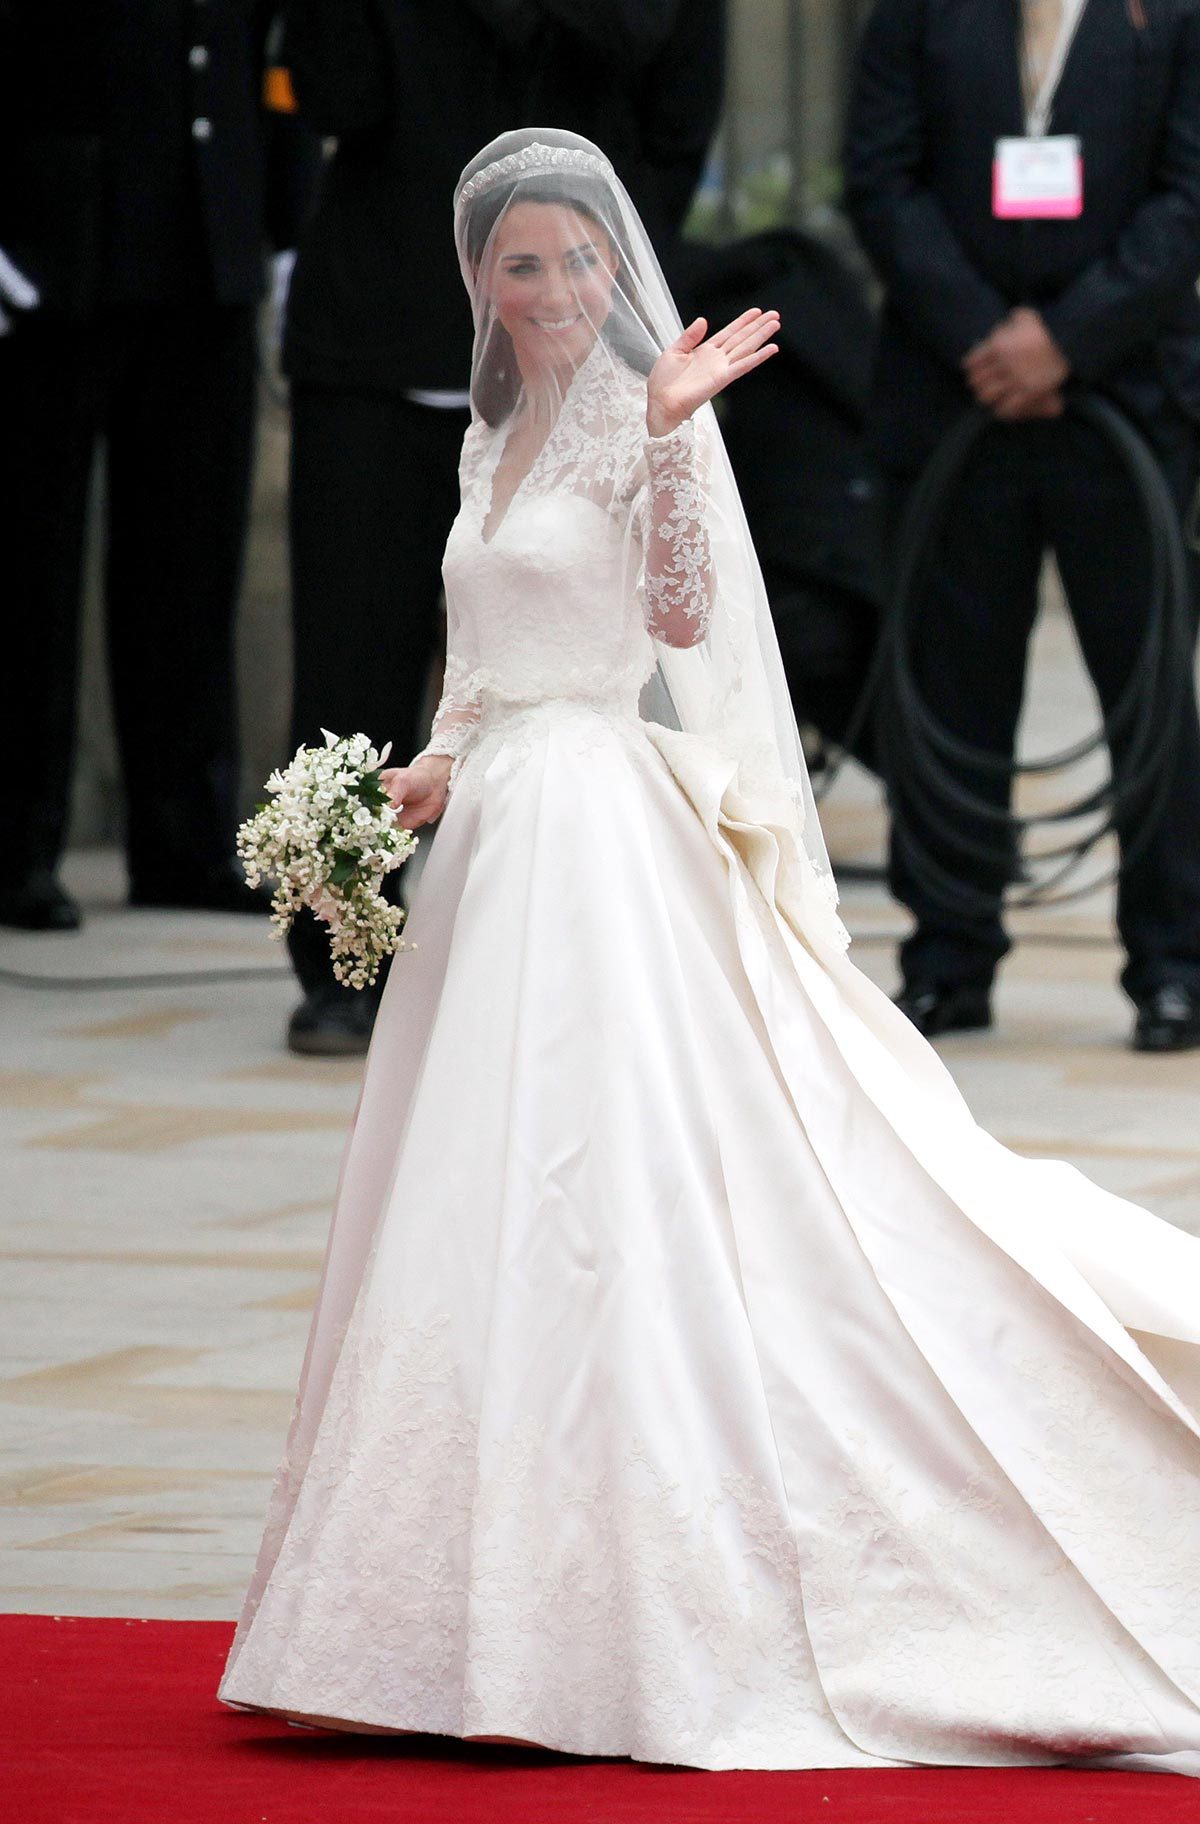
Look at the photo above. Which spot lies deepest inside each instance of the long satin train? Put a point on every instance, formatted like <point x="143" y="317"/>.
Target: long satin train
<point x="691" y="1378"/>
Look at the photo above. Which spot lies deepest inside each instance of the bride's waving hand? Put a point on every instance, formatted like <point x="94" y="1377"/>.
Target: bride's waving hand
<point x="692" y="370"/>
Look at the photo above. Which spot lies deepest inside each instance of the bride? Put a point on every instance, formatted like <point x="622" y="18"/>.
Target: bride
<point x="691" y="1378"/>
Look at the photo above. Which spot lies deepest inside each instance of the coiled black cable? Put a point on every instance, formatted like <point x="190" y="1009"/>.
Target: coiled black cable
<point x="927" y="760"/>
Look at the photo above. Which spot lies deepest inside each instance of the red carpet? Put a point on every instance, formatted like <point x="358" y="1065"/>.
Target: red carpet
<point x="114" y="1722"/>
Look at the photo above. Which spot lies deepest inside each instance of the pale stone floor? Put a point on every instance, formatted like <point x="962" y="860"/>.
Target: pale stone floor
<point x="167" y="1174"/>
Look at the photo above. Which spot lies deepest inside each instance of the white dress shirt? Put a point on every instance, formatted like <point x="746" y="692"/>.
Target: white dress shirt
<point x="1050" y="27"/>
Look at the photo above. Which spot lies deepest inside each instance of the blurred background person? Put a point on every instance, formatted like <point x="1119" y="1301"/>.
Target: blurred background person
<point x="134" y="202"/>
<point x="795" y="433"/>
<point x="378" y="344"/>
<point x="1013" y="314"/>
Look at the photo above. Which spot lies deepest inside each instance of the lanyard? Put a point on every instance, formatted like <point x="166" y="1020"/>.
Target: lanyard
<point x="1042" y="104"/>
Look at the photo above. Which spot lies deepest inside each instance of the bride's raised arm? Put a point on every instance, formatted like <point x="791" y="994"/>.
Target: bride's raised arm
<point x="678" y="583"/>
<point x="678" y="580"/>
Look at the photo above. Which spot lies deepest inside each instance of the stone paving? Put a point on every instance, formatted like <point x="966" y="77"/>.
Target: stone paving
<point x="167" y="1172"/>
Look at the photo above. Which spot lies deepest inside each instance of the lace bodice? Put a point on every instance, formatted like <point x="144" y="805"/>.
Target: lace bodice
<point x="601" y="552"/>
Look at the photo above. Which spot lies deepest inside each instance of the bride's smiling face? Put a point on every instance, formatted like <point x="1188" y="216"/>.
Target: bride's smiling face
<point x="550" y="277"/>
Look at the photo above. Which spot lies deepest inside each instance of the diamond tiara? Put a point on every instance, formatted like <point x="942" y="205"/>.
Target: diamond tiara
<point x="534" y="157"/>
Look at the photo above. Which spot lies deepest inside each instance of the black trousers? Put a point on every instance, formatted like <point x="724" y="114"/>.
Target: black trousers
<point x="1030" y="488"/>
<point x="374" y="491"/>
<point x="171" y="391"/>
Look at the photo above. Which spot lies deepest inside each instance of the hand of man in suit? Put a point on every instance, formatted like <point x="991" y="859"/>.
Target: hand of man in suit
<point x="16" y="292"/>
<point x="1019" y="370"/>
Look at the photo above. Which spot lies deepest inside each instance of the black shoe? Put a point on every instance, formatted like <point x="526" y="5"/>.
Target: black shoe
<point x="935" y="1007"/>
<point x="333" y="1022"/>
<point x="39" y="904"/>
<point x="222" y="889"/>
<point x="1168" y="1019"/>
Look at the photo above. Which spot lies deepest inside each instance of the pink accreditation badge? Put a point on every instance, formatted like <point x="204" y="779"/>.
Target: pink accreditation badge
<point x="1038" y="178"/>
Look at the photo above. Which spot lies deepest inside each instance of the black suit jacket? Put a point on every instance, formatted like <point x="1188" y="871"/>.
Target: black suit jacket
<point x="133" y="149"/>
<point x="411" y="89"/>
<point x="938" y="83"/>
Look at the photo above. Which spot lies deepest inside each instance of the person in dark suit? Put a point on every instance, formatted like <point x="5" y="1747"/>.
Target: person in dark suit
<point x="795" y="434"/>
<point x="378" y="342"/>
<point x="133" y="200"/>
<point x="1012" y="312"/>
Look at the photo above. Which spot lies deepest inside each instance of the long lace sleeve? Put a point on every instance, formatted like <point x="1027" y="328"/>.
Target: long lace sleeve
<point x="456" y="721"/>
<point x="678" y="582"/>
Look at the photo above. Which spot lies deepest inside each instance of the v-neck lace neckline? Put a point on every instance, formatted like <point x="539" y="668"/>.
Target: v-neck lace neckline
<point x="488" y="493"/>
<point x="500" y="440"/>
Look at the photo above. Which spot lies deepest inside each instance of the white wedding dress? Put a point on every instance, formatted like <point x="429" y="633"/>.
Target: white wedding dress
<point x="692" y="1379"/>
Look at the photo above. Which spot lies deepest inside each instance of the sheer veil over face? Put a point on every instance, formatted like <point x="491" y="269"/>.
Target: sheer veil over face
<point x="571" y="312"/>
<point x="549" y="280"/>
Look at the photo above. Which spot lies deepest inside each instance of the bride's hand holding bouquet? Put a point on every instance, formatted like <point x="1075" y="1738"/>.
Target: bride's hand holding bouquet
<point x="418" y="792"/>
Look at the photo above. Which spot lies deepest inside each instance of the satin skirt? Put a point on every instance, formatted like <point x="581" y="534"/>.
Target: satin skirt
<point x="691" y="1378"/>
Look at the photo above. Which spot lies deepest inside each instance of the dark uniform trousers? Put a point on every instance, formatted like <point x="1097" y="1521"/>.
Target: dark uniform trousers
<point x="170" y="391"/>
<point x="374" y="491"/>
<point x="1032" y="487"/>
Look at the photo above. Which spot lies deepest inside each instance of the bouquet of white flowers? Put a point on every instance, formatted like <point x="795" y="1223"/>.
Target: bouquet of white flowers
<point x="328" y="835"/>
